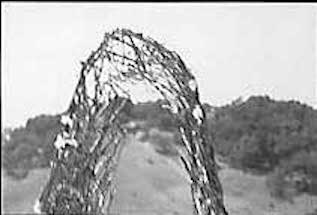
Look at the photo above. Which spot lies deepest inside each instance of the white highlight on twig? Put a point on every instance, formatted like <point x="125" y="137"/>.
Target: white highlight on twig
<point x="212" y="211"/>
<point x="60" y="142"/>
<point x="184" y="138"/>
<point x="37" y="207"/>
<point x="198" y="114"/>
<point x="66" y="120"/>
<point x="192" y="84"/>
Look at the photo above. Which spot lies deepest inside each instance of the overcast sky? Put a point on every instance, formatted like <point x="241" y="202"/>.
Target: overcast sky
<point x="233" y="50"/>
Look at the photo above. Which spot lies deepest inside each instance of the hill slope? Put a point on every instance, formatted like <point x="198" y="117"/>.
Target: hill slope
<point x="149" y="183"/>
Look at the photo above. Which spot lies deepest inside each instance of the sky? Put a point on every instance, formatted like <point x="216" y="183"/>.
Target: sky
<point x="232" y="49"/>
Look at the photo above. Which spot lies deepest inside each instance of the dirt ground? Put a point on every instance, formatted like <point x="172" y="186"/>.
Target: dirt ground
<point x="152" y="184"/>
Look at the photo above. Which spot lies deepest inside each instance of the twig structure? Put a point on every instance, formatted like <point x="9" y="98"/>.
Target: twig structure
<point x="87" y="147"/>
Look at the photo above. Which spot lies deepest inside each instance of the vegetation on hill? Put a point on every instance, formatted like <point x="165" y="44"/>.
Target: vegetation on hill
<point x="260" y="135"/>
<point x="278" y="138"/>
<point x="30" y="146"/>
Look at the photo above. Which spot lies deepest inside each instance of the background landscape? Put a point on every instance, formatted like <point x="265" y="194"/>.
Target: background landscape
<point x="266" y="152"/>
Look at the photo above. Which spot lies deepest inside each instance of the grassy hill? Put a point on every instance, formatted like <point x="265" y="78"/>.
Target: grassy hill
<point x="150" y="183"/>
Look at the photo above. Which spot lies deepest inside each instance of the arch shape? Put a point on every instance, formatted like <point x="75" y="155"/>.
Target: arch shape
<point x="87" y="147"/>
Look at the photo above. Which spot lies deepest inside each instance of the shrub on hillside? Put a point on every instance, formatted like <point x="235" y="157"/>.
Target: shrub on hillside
<point x="298" y="172"/>
<point x="163" y="141"/>
<point x="312" y="213"/>
<point x="262" y="135"/>
<point x="259" y="133"/>
<point x="30" y="146"/>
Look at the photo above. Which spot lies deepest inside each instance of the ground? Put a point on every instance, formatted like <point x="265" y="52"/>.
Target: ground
<point x="153" y="184"/>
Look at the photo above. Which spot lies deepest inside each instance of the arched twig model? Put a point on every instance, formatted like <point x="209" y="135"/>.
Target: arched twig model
<point x="88" y="144"/>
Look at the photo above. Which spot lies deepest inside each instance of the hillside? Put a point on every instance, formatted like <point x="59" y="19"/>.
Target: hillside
<point x="150" y="183"/>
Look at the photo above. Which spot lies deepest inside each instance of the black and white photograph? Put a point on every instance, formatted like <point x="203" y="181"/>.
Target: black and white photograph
<point x="149" y="108"/>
